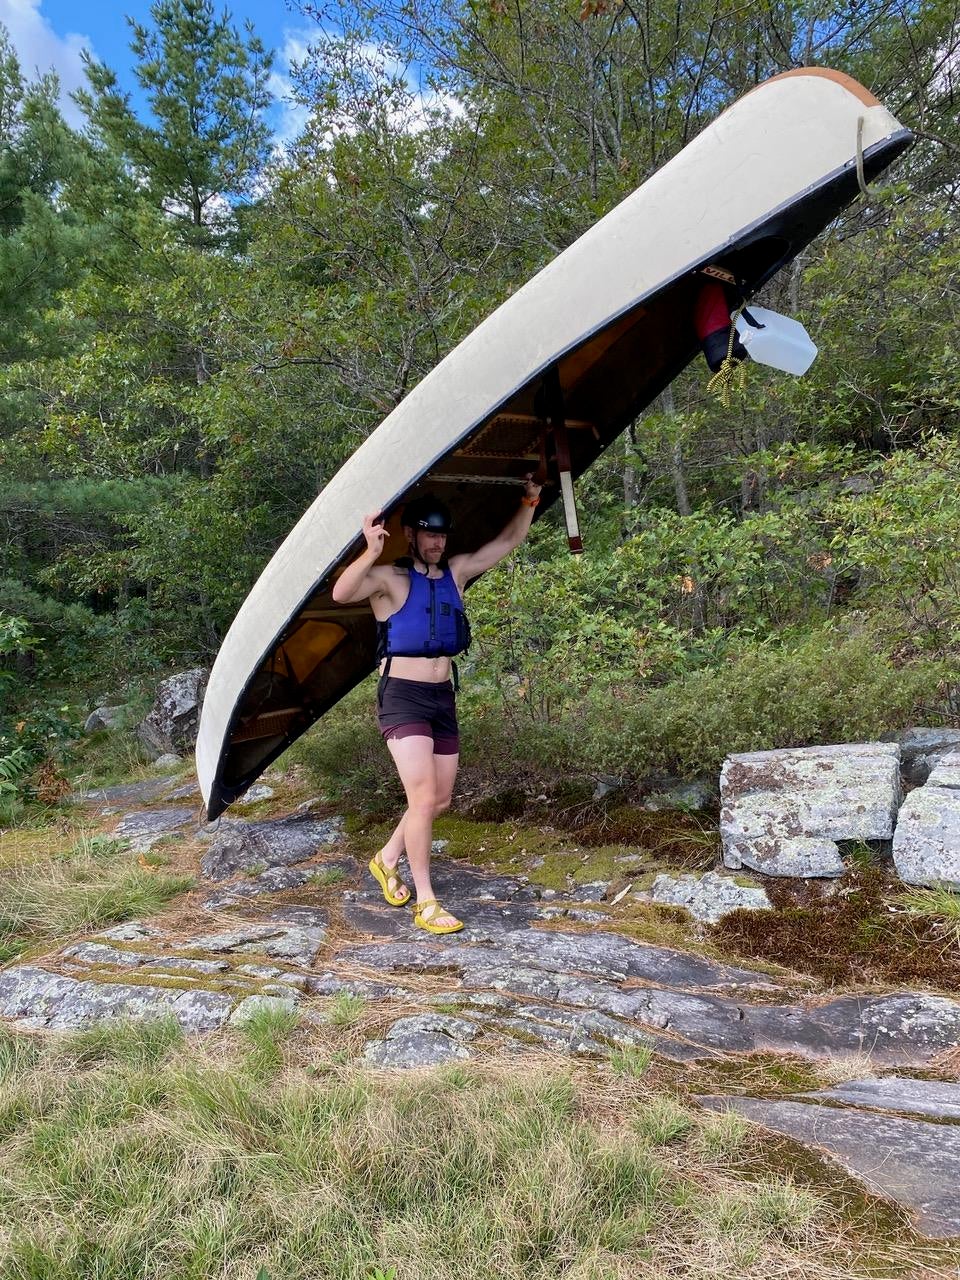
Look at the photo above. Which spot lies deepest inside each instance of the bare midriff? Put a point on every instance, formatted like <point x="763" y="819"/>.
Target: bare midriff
<point x="429" y="670"/>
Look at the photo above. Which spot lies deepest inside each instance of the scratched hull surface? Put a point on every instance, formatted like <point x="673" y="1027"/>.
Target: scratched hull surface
<point x="609" y="321"/>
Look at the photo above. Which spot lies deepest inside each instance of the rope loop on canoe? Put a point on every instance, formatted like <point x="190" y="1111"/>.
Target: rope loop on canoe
<point x="731" y="372"/>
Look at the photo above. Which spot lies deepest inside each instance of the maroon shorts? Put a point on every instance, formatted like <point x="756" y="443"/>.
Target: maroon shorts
<point x="418" y="708"/>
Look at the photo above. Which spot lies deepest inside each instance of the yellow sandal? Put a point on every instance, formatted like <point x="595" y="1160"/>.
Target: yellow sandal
<point x="394" y="890"/>
<point x="422" y="915"/>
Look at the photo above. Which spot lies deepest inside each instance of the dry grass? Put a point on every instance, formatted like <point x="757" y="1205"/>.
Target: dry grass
<point x="95" y="881"/>
<point x="862" y="936"/>
<point x="126" y="1153"/>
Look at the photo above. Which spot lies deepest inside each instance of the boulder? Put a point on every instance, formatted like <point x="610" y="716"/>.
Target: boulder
<point x="172" y="724"/>
<point x="946" y="772"/>
<point x="104" y="718"/>
<point x="926" y="844"/>
<point x="685" y="795"/>
<point x="921" y="750"/>
<point x="169" y="760"/>
<point x="782" y="812"/>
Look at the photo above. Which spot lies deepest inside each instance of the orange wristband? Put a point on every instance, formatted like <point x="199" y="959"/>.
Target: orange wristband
<point x="529" y="502"/>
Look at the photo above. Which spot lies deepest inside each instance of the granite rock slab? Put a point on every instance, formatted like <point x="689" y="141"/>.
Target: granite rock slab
<point x="911" y="1161"/>
<point x="147" y="828"/>
<point x="144" y="792"/>
<point x="709" y="897"/>
<point x="188" y="791"/>
<point x="905" y="1028"/>
<point x="60" y="1002"/>
<point x="936" y="1098"/>
<point x="782" y="812"/>
<point x="27" y="991"/>
<point x="946" y="772"/>
<point x="297" y="943"/>
<point x="98" y="953"/>
<point x="428" y="1049"/>
<point x="281" y="842"/>
<point x="273" y="880"/>
<point x="253" y="1006"/>
<point x="926" y="843"/>
<point x="606" y="955"/>
<point x="422" y="1041"/>
<point x="331" y="984"/>
<point x="94" y="1003"/>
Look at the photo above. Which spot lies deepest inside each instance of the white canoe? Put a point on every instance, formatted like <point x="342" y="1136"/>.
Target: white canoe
<point x="611" y="317"/>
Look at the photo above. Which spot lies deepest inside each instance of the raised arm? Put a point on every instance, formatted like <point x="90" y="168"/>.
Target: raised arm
<point x="471" y="564"/>
<point x="360" y="580"/>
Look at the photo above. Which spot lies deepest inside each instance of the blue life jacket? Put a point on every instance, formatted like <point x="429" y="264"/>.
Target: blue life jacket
<point x="430" y="622"/>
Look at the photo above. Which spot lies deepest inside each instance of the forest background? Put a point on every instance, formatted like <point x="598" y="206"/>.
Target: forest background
<point x="197" y="329"/>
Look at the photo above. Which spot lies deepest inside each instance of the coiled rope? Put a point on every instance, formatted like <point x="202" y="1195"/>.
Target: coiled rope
<point x="732" y="373"/>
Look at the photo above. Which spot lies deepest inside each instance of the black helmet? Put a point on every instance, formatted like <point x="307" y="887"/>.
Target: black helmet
<point x="427" y="513"/>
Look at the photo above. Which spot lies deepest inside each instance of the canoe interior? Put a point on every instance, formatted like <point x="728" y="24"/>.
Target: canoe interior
<point x="606" y="381"/>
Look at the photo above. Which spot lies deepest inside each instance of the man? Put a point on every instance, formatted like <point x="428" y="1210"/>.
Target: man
<point x="418" y="606"/>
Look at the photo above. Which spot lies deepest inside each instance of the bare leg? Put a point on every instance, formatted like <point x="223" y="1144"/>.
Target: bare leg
<point x="428" y="782"/>
<point x="446" y="767"/>
<point x="392" y="851"/>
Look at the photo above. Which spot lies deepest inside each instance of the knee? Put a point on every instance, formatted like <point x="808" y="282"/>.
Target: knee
<point x="423" y="804"/>
<point x="441" y="805"/>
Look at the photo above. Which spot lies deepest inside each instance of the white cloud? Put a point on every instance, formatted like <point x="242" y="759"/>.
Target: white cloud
<point x="40" y="49"/>
<point x="290" y="116"/>
<point x="422" y="107"/>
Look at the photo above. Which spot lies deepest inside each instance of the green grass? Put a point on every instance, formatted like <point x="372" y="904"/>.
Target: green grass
<point x="129" y="1153"/>
<point x="937" y="904"/>
<point x="93" y="882"/>
<point x="327" y="876"/>
<point x="631" y="1060"/>
<point x="266" y="1031"/>
<point x="346" y="1009"/>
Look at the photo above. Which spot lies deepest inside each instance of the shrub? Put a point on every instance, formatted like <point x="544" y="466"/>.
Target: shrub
<point x="825" y="687"/>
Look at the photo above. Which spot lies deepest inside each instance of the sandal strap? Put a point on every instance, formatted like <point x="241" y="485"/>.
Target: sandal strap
<point x="430" y="902"/>
<point x="389" y="872"/>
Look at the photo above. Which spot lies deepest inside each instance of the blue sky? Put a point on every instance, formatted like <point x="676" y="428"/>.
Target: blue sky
<point x="50" y="34"/>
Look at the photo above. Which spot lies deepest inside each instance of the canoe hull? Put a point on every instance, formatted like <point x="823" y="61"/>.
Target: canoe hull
<point x="609" y="321"/>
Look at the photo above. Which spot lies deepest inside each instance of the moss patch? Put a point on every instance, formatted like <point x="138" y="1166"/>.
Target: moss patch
<point x="761" y="1075"/>
<point x="850" y="937"/>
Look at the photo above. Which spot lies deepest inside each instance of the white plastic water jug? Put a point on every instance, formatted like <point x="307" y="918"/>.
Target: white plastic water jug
<point x="782" y="343"/>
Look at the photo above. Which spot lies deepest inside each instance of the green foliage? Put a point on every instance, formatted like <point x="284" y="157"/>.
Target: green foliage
<point x="631" y="1060"/>
<point x="40" y="243"/>
<point x="86" y="885"/>
<point x="229" y="330"/>
<point x="331" y="1175"/>
<point x="346" y="1009"/>
<point x="266" y="1030"/>
<point x="13" y="766"/>
<point x="824" y="687"/>
<point x="208" y="89"/>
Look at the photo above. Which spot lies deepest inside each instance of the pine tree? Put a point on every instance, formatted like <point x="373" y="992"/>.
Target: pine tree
<point x="39" y="244"/>
<point x="207" y="89"/>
